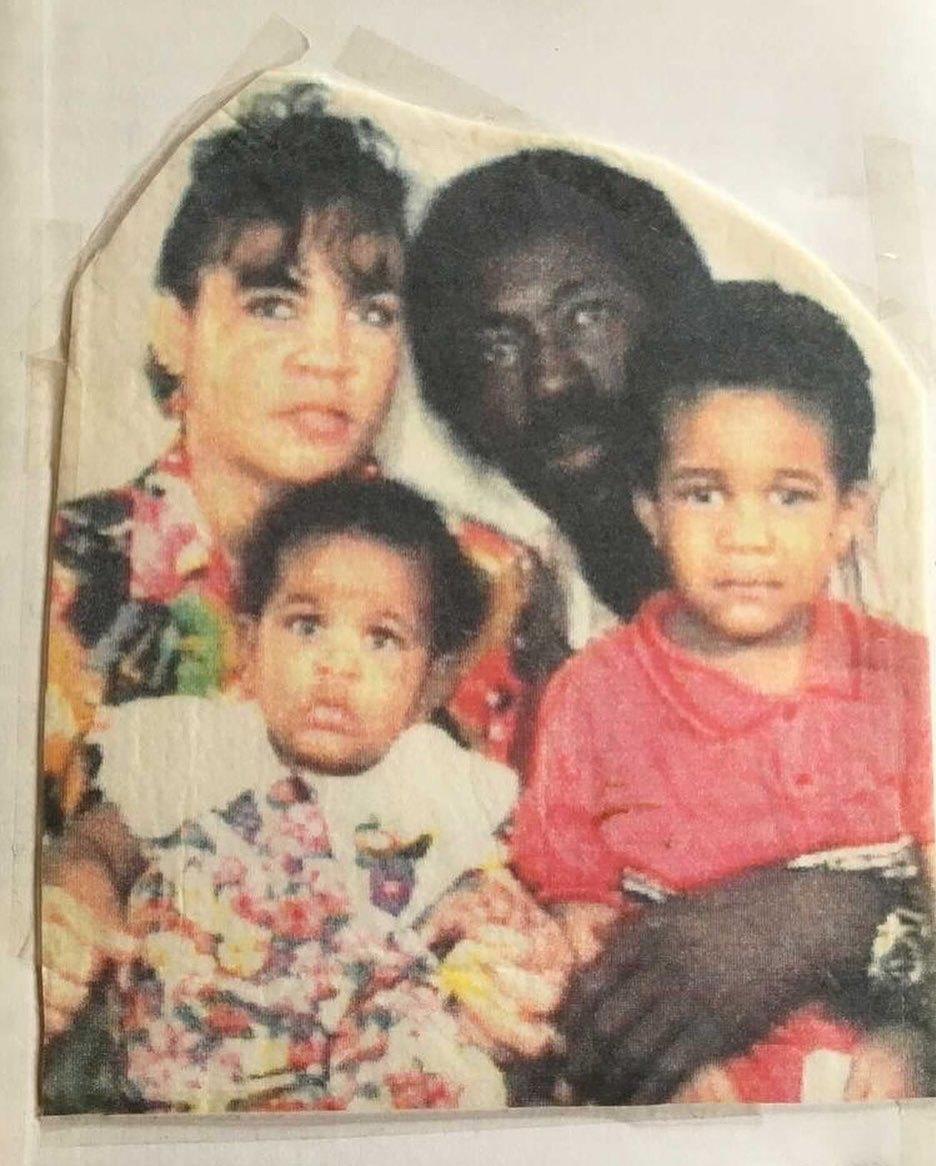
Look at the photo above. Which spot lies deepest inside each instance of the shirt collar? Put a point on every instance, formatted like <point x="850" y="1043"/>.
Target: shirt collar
<point x="715" y="703"/>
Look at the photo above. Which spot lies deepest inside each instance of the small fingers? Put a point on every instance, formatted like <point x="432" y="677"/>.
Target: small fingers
<point x="61" y="993"/>
<point x="64" y="954"/>
<point x="54" y="1022"/>
<point x="89" y="928"/>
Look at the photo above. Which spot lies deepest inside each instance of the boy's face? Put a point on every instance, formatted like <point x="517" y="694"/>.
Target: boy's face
<point x="340" y="659"/>
<point x="287" y="364"/>
<point x="748" y="514"/>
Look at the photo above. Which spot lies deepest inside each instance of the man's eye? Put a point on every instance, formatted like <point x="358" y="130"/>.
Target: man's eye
<point x="305" y="626"/>
<point x="792" y="496"/>
<point x="499" y="349"/>
<point x="379" y="311"/>
<point x="272" y="307"/>
<point x="384" y="640"/>
<point x="592" y="315"/>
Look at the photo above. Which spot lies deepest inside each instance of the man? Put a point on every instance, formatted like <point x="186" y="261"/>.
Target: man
<point x="528" y="286"/>
<point x="529" y="283"/>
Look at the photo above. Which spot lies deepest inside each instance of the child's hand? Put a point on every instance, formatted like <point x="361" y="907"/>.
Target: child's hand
<point x="888" y="1066"/>
<point x="586" y="926"/>
<point x="508" y="969"/>
<point x="707" y="1086"/>
<point x="83" y="929"/>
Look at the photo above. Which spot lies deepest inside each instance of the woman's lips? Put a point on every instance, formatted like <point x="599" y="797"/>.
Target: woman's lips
<point x="315" y="423"/>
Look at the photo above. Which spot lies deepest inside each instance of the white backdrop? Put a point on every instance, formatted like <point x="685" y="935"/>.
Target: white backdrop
<point x="820" y="117"/>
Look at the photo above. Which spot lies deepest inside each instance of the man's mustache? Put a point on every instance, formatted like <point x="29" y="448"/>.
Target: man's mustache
<point x="612" y="424"/>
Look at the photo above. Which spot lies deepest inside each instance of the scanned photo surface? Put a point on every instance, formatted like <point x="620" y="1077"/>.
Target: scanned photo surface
<point x="486" y="659"/>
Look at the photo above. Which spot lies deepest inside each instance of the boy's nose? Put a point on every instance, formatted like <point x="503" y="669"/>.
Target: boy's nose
<point x="747" y="526"/>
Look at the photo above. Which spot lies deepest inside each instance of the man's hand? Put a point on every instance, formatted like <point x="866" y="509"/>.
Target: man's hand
<point x="83" y="930"/>
<point x="700" y="977"/>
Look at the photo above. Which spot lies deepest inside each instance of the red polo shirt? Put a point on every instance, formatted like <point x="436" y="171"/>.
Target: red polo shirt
<point x="648" y="760"/>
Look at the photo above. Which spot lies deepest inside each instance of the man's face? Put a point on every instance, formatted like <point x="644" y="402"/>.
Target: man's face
<point x="287" y="366"/>
<point x="339" y="661"/>
<point x="546" y="357"/>
<point x="748" y="515"/>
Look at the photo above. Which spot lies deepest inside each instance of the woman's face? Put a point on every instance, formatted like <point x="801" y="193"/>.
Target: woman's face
<point x="288" y="361"/>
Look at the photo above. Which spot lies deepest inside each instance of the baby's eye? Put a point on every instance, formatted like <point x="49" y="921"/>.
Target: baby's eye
<point x="379" y="311"/>
<point x="304" y="625"/>
<point x="792" y="496"/>
<point x="271" y="306"/>
<point x="384" y="640"/>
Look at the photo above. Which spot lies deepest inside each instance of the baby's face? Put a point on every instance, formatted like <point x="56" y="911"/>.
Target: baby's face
<point x="749" y="516"/>
<point x="340" y="658"/>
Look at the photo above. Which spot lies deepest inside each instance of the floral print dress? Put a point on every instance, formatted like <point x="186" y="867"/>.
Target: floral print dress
<point x="282" y="965"/>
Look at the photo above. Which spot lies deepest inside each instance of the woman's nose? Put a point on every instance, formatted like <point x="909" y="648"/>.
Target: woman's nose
<point x="323" y="336"/>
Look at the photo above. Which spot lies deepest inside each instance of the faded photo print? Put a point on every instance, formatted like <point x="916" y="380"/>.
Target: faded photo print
<point x="486" y="658"/>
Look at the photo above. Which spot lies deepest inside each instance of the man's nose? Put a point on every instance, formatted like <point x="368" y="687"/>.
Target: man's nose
<point x="555" y="369"/>
<point x="747" y="525"/>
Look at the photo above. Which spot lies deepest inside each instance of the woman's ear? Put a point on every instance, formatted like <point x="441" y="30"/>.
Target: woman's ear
<point x="648" y="514"/>
<point x="169" y="329"/>
<point x="245" y="642"/>
<point x="855" y="521"/>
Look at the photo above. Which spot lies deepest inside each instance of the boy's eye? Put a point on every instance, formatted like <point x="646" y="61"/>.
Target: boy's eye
<point x="304" y="625"/>
<point x="701" y="496"/>
<point x="379" y="311"/>
<point x="271" y="306"/>
<point x="384" y="640"/>
<point x="792" y="496"/>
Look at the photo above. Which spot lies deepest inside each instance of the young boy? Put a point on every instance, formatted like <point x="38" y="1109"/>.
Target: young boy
<point x="297" y="845"/>
<point x="744" y="718"/>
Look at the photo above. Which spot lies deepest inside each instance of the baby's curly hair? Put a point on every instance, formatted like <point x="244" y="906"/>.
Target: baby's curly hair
<point x="383" y="511"/>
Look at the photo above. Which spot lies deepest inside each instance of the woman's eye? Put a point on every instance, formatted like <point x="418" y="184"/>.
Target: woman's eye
<point x="379" y="311"/>
<point x="271" y="307"/>
<point x="305" y="626"/>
